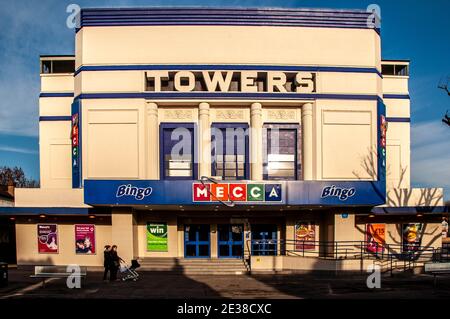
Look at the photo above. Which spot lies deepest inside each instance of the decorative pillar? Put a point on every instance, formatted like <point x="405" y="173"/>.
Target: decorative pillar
<point x="153" y="141"/>
<point x="204" y="157"/>
<point x="256" y="142"/>
<point x="307" y="133"/>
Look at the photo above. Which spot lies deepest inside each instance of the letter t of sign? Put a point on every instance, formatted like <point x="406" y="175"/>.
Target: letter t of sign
<point x="158" y="76"/>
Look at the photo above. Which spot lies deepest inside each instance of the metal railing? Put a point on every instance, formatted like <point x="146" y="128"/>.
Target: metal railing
<point x="442" y="254"/>
<point x="341" y="250"/>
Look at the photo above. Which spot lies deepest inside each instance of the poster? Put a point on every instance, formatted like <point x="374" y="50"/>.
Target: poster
<point x="375" y="238"/>
<point x="47" y="238"/>
<point x="156" y="236"/>
<point x="305" y="236"/>
<point x="85" y="239"/>
<point x="412" y="236"/>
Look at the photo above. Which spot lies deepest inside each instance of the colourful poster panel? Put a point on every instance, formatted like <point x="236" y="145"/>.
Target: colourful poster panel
<point x="47" y="238"/>
<point x="305" y="236"/>
<point x="156" y="236"/>
<point x="412" y="236"/>
<point x="375" y="237"/>
<point x="85" y="239"/>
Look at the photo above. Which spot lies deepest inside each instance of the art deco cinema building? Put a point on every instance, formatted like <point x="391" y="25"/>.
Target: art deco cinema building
<point x="225" y="133"/>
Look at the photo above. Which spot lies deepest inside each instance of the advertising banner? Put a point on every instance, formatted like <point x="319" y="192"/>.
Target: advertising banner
<point x="76" y="144"/>
<point x="375" y="237"/>
<point x="305" y="236"/>
<point x="47" y="238"/>
<point x="412" y="236"/>
<point x="157" y="237"/>
<point x="85" y="239"/>
<point x="187" y="192"/>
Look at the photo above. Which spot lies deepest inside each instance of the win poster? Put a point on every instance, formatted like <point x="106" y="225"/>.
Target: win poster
<point x="47" y="238"/>
<point x="85" y="239"/>
<point x="156" y="236"/>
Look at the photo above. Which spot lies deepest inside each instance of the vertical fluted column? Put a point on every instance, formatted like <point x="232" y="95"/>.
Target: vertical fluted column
<point x="153" y="141"/>
<point x="307" y="133"/>
<point x="256" y="142"/>
<point x="204" y="157"/>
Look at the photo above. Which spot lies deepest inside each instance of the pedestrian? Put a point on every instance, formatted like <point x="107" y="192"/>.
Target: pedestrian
<point x="115" y="263"/>
<point x="107" y="262"/>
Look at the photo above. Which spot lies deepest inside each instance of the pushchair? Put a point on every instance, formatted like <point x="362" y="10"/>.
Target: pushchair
<point x="129" y="272"/>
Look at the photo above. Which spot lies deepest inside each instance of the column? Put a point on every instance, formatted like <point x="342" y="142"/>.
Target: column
<point x="307" y="133"/>
<point x="122" y="232"/>
<point x="153" y="141"/>
<point x="256" y="142"/>
<point x="204" y="157"/>
<point x="214" y="247"/>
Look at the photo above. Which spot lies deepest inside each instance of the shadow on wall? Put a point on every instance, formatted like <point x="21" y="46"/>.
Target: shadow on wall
<point x="399" y="196"/>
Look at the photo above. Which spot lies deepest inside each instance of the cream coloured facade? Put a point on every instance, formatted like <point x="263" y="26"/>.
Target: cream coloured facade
<point x="109" y="121"/>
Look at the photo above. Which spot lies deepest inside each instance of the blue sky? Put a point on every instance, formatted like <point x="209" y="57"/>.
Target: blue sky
<point x="417" y="30"/>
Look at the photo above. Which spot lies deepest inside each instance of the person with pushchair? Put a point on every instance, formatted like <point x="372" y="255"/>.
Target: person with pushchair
<point x="114" y="263"/>
<point x="107" y="262"/>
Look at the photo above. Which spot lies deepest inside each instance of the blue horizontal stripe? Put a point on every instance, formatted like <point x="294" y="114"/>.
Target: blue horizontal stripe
<point x="54" y="118"/>
<point x="230" y="95"/>
<point x="397" y="96"/>
<point x="56" y="95"/>
<point x="215" y="9"/>
<point x="226" y="16"/>
<point x="43" y="210"/>
<point x="226" y="67"/>
<point x="398" y="119"/>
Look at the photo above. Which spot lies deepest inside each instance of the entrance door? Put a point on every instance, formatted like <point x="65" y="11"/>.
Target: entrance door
<point x="196" y="241"/>
<point x="264" y="240"/>
<point x="230" y="241"/>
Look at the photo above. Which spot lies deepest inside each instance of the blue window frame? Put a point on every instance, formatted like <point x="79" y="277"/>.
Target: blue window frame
<point x="264" y="240"/>
<point x="229" y="151"/>
<point x="177" y="151"/>
<point x="197" y="241"/>
<point x="230" y="240"/>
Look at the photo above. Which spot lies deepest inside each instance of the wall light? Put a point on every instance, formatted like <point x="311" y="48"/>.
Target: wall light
<point x="42" y="216"/>
<point x="371" y="215"/>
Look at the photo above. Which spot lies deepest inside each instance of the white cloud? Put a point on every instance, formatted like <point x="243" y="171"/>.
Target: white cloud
<point x="17" y="150"/>
<point x="430" y="154"/>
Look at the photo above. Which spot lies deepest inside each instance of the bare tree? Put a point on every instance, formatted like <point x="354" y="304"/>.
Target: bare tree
<point x="16" y="176"/>
<point x="443" y="84"/>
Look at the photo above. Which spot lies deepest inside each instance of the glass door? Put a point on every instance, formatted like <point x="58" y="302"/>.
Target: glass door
<point x="196" y="241"/>
<point x="230" y="241"/>
<point x="264" y="240"/>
